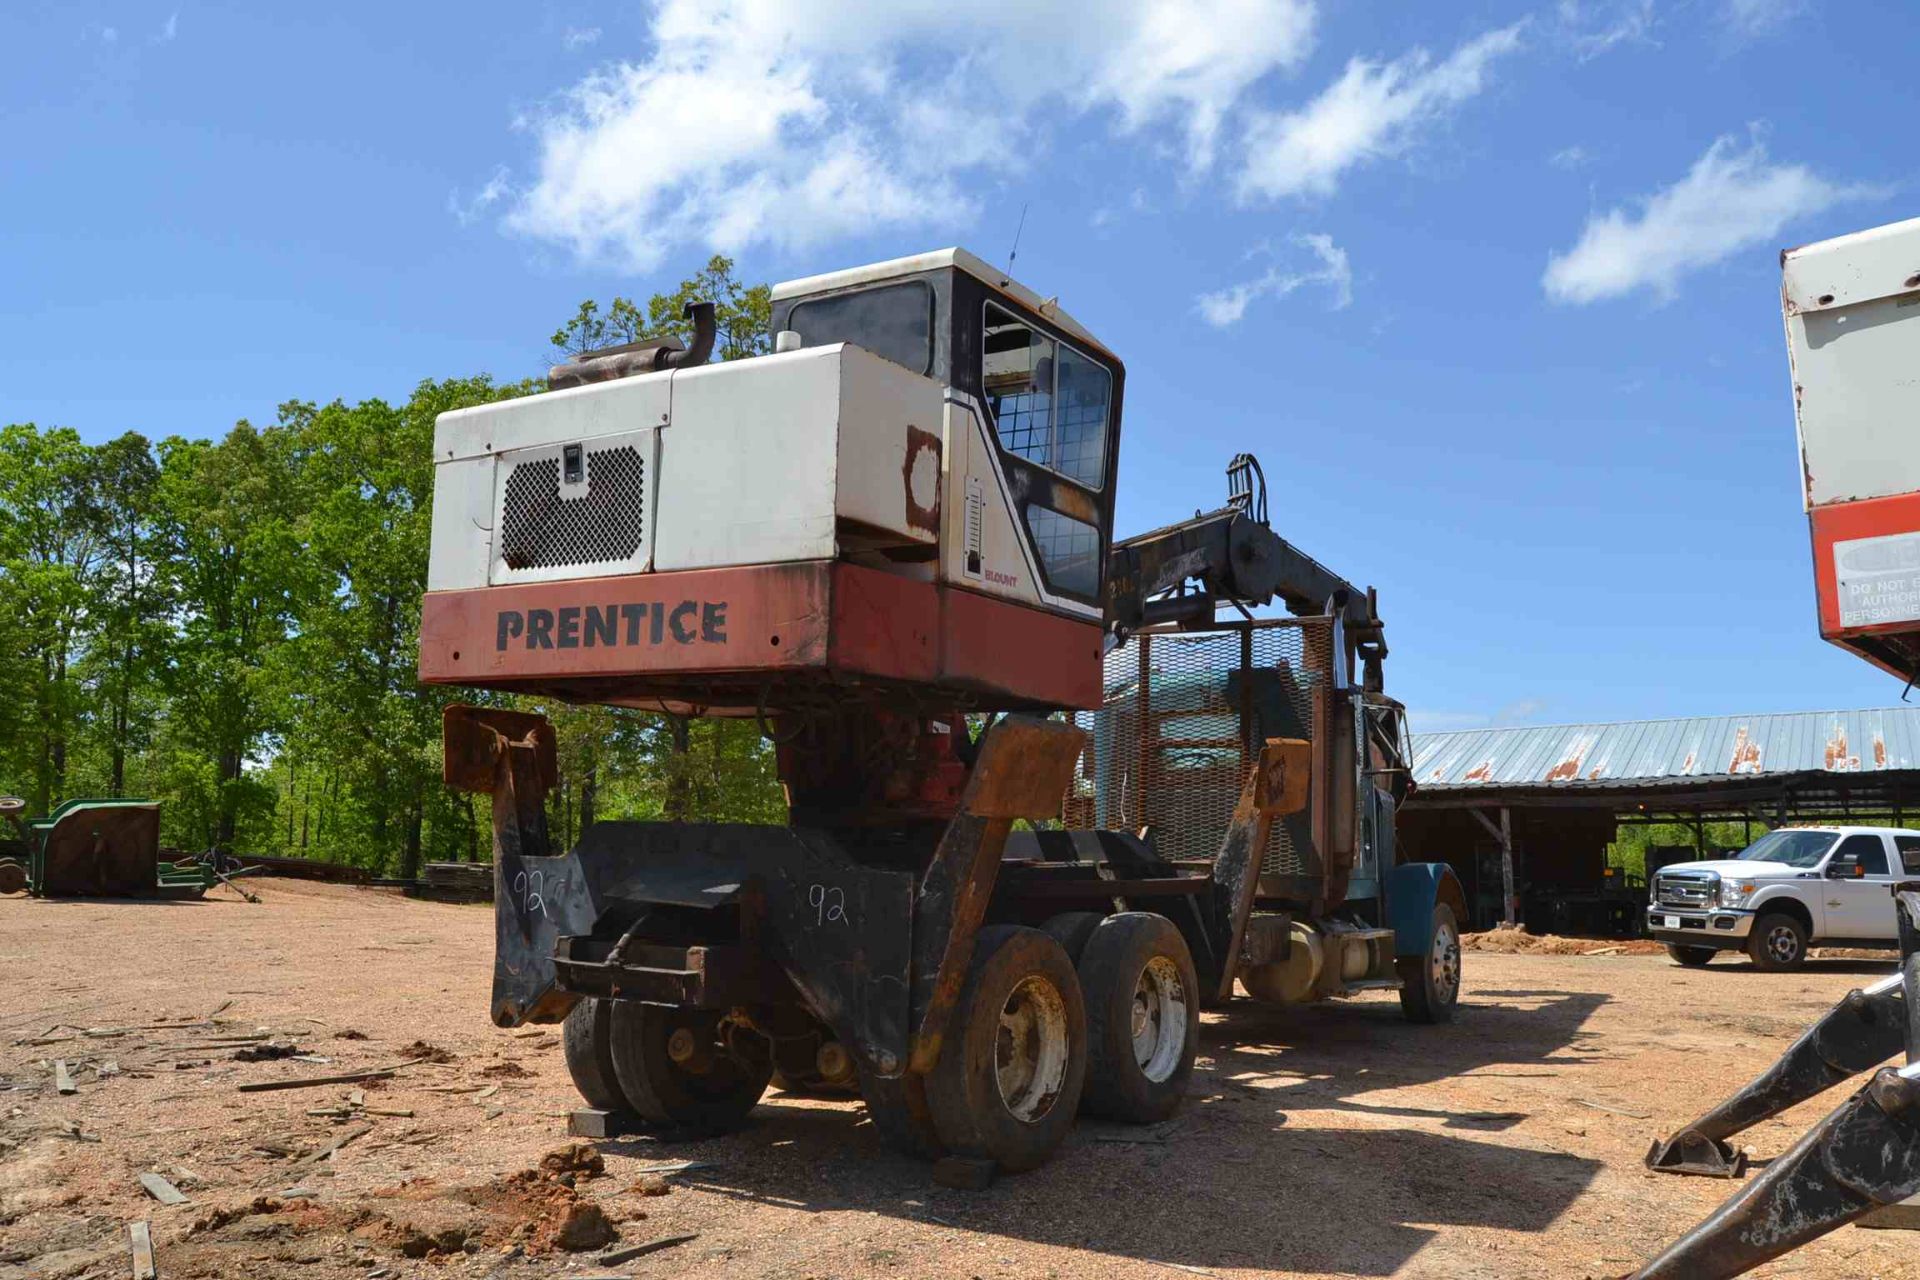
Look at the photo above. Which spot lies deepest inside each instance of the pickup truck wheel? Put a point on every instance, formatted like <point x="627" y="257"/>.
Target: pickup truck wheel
<point x="675" y="1073"/>
<point x="1778" y="943"/>
<point x="1691" y="957"/>
<point x="586" y="1037"/>
<point x="1143" y="1017"/>
<point x="1013" y="1061"/>
<point x="1430" y="984"/>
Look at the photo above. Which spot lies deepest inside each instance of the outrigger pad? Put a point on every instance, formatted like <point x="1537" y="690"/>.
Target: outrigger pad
<point x="1692" y="1152"/>
<point x="1284" y="776"/>
<point x="468" y="735"/>
<point x="1024" y="769"/>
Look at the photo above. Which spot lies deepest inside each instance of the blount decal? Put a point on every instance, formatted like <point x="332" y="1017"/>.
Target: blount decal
<point x="612" y="626"/>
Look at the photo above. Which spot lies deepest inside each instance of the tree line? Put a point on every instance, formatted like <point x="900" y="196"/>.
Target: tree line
<point x="230" y="626"/>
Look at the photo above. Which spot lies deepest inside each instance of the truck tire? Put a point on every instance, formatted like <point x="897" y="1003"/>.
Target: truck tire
<point x="1071" y="929"/>
<point x="586" y="1037"/>
<point x="1143" y="1017"/>
<point x="1691" y="957"/>
<point x="1014" y="1059"/>
<point x="1778" y="943"/>
<point x="712" y="1098"/>
<point x="1430" y="984"/>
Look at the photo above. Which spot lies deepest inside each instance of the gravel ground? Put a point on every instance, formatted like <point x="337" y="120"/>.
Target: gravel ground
<point x="1335" y="1141"/>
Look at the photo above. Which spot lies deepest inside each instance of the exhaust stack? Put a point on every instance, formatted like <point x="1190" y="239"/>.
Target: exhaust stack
<point x="649" y="356"/>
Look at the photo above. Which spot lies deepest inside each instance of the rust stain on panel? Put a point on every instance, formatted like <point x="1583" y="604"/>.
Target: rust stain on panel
<point x="1746" y="754"/>
<point x="920" y="475"/>
<point x="1482" y="772"/>
<point x="1837" y="758"/>
<point x="1568" y="770"/>
<point x="1687" y="766"/>
<point x="1879" y="752"/>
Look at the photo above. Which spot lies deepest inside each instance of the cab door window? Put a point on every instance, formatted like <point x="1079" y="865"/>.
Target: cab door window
<point x="1909" y="847"/>
<point x="1050" y="404"/>
<point x="1870" y="850"/>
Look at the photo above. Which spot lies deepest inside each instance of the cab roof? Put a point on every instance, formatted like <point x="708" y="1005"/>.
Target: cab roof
<point x="956" y="258"/>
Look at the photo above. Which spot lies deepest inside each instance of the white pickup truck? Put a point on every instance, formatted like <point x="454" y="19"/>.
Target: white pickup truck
<point x="1791" y="889"/>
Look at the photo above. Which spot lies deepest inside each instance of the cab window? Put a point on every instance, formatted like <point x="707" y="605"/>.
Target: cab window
<point x="1909" y="847"/>
<point x="895" y="322"/>
<point x="1050" y="404"/>
<point x="1069" y="550"/>
<point x="1870" y="850"/>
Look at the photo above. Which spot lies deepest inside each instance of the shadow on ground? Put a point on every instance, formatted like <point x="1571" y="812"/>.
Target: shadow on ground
<point x="1244" y="1176"/>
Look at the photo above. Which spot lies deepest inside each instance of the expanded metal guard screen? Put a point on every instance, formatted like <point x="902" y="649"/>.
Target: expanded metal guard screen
<point x="1184" y="718"/>
<point x="539" y="529"/>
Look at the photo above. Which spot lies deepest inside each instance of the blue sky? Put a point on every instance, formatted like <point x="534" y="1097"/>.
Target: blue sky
<point x="1490" y="288"/>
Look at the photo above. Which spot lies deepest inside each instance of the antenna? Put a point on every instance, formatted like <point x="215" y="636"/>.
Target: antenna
<point x="1015" y="251"/>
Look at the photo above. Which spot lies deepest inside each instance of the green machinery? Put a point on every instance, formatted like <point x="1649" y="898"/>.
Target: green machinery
<point x="97" y="848"/>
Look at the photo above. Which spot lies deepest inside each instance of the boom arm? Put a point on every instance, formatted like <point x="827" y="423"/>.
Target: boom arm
<point x="1235" y="558"/>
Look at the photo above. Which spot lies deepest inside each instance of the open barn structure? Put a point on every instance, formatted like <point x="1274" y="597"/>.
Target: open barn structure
<point x="1525" y="814"/>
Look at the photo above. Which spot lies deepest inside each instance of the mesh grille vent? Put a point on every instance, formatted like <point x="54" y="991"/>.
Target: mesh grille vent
<point x="1180" y="766"/>
<point x="540" y="529"/>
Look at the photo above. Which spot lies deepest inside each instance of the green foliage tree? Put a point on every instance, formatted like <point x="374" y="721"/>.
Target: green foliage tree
<point x="229" y="516"/>
<point x="51" y="533"/>
<point x="132" y="600"/>
<point x="743" y="316"/>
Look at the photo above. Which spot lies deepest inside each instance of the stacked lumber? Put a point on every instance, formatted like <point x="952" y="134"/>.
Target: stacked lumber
<point x="455" y="882"/>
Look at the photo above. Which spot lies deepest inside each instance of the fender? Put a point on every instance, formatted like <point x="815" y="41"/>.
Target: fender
<point x="1414" y="889"/>
<point x="1807" y="895"/>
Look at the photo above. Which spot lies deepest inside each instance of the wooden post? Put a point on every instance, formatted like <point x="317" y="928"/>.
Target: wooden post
<point x="1506" y="866"/>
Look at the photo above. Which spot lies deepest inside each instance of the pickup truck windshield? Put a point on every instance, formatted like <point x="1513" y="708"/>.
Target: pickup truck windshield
<point x="1795" y="848"/>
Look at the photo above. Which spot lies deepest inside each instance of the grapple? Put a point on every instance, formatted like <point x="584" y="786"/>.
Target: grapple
<point x="1862" y="1157"/>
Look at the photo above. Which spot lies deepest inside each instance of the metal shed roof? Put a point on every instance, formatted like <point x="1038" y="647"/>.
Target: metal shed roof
<point x="1669" y="752"/>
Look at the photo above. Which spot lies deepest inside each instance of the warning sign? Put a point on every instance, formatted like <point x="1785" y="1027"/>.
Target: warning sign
<point x="1878" y="579"/>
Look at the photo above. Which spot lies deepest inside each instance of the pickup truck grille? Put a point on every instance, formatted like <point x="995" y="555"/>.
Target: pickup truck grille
<point x="1683" y="891"/>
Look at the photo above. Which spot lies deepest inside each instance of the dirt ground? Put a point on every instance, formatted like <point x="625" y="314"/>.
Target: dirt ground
<point x="1330" y="1141"/>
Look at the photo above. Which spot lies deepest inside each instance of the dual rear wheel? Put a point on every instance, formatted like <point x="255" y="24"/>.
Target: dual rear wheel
<point x="680" y="1069"/>
<point x="1090" y="1013"/>
<point x="1093" y="1013"/>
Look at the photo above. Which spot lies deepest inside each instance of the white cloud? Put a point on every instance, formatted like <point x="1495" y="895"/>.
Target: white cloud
<point x="469" y="209"/>
<point x="1225" y="307"/>
<point x="580" y="37"/>
<point x="1574" y="157"/>
<point x="1591" y="29"/>
<point x="782" y="123"/>
<point x="1732" y="199"/>
<point x="171" y="27"/>
<point x="1373" y="110"/>
<point x="1752" y="18"/>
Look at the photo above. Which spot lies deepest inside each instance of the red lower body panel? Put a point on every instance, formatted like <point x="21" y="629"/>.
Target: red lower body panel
<point x="758" y="638"/>
<point x="1866" y="570"/>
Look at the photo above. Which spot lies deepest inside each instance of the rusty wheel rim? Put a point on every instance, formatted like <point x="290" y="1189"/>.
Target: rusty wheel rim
<point x="1446" y="963"/>
<point x="1031" y="1049"/>
<point x="1159" y="1019"/>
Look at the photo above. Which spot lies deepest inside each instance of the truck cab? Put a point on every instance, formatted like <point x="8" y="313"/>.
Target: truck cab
<point x="1790" y="890"/>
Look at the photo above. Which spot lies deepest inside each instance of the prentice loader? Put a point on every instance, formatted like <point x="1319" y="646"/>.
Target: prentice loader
<point x="899" y="519"/>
